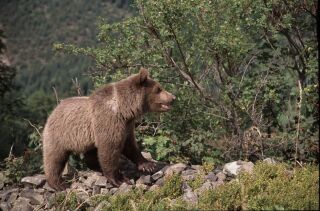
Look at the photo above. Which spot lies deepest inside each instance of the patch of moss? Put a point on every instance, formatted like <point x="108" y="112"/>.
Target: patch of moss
<point x="65" y="201"/>
<point x="197" y="181"/>
<point x="271" y="186"/>
<point x="172" y="187"/>
<point x="97" y="199"/>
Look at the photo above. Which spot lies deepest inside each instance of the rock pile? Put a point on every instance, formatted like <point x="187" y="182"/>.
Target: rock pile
<point x="36" y="194"/>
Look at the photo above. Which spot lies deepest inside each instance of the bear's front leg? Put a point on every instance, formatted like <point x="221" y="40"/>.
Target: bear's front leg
<point x="132" y="152"/>
<point x="109" y="162"/>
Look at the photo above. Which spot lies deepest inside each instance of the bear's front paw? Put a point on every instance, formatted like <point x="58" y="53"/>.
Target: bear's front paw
<point x="117" y="179"/>
<point x="147" y="166"/>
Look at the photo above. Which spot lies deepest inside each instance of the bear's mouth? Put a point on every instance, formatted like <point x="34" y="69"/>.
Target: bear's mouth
<point x="165" y="107"/>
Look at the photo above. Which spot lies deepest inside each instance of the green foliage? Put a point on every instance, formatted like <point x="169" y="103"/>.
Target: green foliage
<point x="15" y="168"/>
<point x="197" y="181"/>
<point x="200" y="175"/>
<point x="69" y="200"/>
<point x="172" y="187"/>
<point x="159" y="146"/>
<point x="138" y="199"/>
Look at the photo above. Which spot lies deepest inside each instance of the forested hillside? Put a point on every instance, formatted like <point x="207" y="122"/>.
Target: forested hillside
<point x="29" y="30"/>
<point x="32" y="27"/>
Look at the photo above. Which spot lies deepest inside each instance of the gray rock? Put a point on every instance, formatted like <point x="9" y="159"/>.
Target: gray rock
<point x="160" y="182"/>
<point x="208" y="186"/>
<point x="157" y="175"/>
<point x="82" y="195"/>
<point x="34" y="197"/>
<point x="109" y="185"/>
<point x="87" y="174"/>
<point x="147" y="155"/>
<point x="104" y="190"/>
<point x="246" y="167"/>
<point x="196" y="167"/>
<point x="175" y="169"/>
<point x="164" y="168"/>
<point x="216" y="184"/>
<point x="102" y="206"/>
<point x="113" y="190"/>
<point x="4" y="206"/>
<point x="212" y="177"/>
<point x="124" y="188"/>
<point x="13" y="197"/>
<point x="234" y="168"/>
<point x="142" y="186"/>
<point x="69" y="170"/>
<point x="2" y="178"/>
<point x="185" y="187"/>
<point x="221" y="176"/>
<point x="269" y="161"/>
<point x="37" y="180"/>
<point x="22" y="204"/>
<point x="91" y="180"/>
<point x="154" y="187"/>
<point x="78" y="185"/>
<point x="96" y="190"/>
<point x="188" y="174"/>
<point x="40" y="190"/>
<point x="5" y="194"/>
<point x="101" y="181"/>
<point x="190" y="197"/>
<point x="144" y="179"/>
<point x="47" y="196"/>
<point x="81" y="179"/>
<point x="216" y="171"/>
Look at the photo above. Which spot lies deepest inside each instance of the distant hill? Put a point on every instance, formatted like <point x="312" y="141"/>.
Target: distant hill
<point x="31" y="28"/>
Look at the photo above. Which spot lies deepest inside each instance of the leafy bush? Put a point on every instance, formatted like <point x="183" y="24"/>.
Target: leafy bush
<point x="15" y="168"/>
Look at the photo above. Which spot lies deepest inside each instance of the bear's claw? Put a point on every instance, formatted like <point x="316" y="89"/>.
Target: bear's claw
<point x="147" y="166"/>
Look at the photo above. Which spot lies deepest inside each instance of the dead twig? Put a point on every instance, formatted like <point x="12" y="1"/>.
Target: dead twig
<point x="32" y="125"/>
<point x="77" y="86"/>
<point x="56" y="94"/>
<point x="299" y="101"/>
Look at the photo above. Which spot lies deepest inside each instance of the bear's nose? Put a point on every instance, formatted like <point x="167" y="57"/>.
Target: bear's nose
<point x="173" y="97"/>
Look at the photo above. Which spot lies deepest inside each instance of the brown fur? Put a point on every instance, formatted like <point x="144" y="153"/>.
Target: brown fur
<point x="102" y="126"/>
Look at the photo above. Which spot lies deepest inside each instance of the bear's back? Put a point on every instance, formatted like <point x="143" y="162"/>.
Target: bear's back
<point x="70" y="126"/>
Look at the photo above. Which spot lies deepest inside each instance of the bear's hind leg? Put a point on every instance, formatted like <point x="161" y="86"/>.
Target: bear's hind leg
<point x="53" y="166"/>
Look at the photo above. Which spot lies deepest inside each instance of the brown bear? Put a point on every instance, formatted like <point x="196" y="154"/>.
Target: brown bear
<point x="103" y="121"/>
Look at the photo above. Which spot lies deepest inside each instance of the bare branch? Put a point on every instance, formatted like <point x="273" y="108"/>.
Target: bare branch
<point x="32" y="125"/>
<point x="245" y="70"/>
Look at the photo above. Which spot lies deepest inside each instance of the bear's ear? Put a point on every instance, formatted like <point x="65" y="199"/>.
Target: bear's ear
<point x="142" y="76"/>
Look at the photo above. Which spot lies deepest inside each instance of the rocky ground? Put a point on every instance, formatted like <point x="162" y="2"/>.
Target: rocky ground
<point x="35" y="194"/>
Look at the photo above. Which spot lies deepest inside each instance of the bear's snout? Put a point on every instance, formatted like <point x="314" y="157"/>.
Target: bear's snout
<point x="173" y="97"/>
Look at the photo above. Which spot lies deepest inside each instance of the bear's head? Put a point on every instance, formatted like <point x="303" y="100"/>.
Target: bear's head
<point x="156" y="99"/>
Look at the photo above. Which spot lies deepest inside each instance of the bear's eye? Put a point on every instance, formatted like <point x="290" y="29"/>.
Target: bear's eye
<point x="159" y="90"/>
